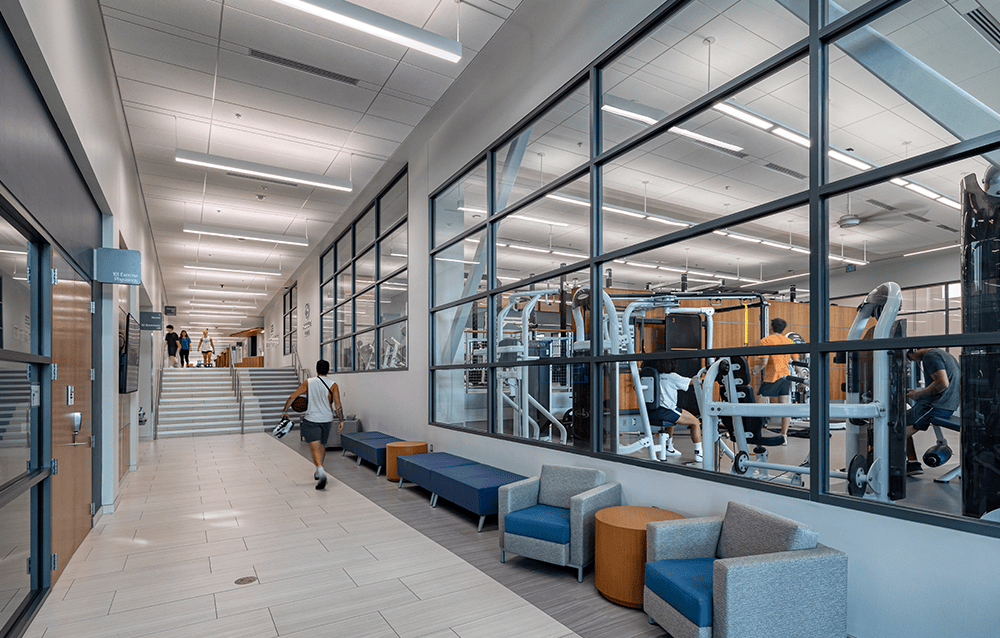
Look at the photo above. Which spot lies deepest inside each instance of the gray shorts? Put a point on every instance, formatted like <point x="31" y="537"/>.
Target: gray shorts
<point x="313" y="432"/>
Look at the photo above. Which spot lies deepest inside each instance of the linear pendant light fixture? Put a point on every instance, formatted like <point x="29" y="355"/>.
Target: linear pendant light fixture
<point x="249" y="270"/>
<point x="229" y="291"/>
<point x="261" y="170"/>
<point x="245" y="234"/>
<point x="381" y="26"/>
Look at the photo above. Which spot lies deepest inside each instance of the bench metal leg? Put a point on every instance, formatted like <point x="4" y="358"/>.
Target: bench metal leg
<point x="344" y="453"/>
<point x="950" y="475"/>
<point x="579" y="574"/>
<point x="503" y="556"/>
<point x="434" y="500"/>
<point x="482" y="519"/>
<point x="378" y="470"/>
<point x="651" y="621"/>
<point x="359" y="460"/>
<point x="400" y="483"/>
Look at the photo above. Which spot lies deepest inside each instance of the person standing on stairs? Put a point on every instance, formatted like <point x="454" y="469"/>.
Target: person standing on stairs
<point x="206" y="347"/>
<point x="185" y="349"/>
<point x="170" y="343"/>
<point x="323" y="404"/>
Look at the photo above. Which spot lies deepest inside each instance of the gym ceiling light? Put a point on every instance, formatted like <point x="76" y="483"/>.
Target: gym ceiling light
<point x="576" y="201"/>
<point x="245" y="234"/>
<point x="261" y="170"/>
<point x="247" y="270"/>
<point x="381" y="26"/>
<point x="228" y="291"/>
<point x="931" y="250"/>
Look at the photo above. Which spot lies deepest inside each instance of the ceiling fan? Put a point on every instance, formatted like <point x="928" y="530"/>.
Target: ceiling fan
<point x="850" y="220"/>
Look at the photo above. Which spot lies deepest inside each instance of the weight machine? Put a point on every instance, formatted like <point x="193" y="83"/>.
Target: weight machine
<point x="879" y="412"/>
<point x="513" y="383"/>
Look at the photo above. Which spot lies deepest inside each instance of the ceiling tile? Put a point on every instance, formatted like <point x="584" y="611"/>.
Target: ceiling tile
<point x="419" y="82"/>
<point x="392" y="108"/>
<point x="200" y="17"/>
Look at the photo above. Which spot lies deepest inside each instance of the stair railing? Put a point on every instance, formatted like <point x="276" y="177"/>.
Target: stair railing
<point x="156" y="410"/>
<point x="300" y="373"/>
<point x="237" y="386"/>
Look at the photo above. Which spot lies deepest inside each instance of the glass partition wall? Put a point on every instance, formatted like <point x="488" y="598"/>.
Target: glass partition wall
<point x="747" y="245"/>
<point x="366" y="295"/>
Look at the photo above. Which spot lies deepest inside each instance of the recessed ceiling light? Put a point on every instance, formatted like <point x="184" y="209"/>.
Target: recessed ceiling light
<point x="221" y="304"/>
<point x="920" y="190"/>
<point x="792" y="137"/>
<point x="380" y="26"/>
<point x="947" y="201"/>
<point x="568" y="199"/>
<point x="470" y="209"/>
<point x="248" y="270"/>
<point x="706" y="139"/>
<point x="538" y="220"/>
<point x="528" y="248"/>
<point x="631" y="115"/>
<point x="931" y="250"/>
<point x="261" y="170"/>
<point x="245" y="234"/>
<point x="847" y="159"/>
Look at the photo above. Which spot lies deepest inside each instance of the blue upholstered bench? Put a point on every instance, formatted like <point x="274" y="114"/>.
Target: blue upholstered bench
<point x="472" y="487"/>
<point x="417" y="468"/>
<point x="367" y="446"/>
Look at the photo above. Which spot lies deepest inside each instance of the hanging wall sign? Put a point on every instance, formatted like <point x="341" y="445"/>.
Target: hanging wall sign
<point x="117" y="266"/>
<point x="150" y="320"/>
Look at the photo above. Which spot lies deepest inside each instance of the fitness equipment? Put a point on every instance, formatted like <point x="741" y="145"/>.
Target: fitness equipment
<point x="867" y="474"/>
<point x="980" y="366"/>
<point x="515" y="383"/>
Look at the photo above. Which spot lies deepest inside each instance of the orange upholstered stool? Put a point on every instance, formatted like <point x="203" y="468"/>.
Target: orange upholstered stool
<point x="400" y="448"/>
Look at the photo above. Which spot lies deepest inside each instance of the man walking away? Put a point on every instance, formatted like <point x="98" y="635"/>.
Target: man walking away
<point x="170" y="343"/>
<point x="316" y="422"/>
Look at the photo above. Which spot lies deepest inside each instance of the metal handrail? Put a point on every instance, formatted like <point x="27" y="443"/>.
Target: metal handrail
<point x="156" y="410"/>
<point x="237" y="387"/>
<point x="300" y="372"/>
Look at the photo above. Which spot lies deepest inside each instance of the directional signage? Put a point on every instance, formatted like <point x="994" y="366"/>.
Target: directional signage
<point x="151" y="320"/>
<point x="117" y="266"/>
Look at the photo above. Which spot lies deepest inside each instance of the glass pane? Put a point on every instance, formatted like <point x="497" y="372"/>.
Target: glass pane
<point x="460" y="398"/>
<point x="550" y="232"/>
<point x="15" y="549"/>
<point x="345" y="355"/>
<point x="345" y="283"/>
<point x="343" y="319"/>
<point x="909" y="230"/>
<point x="365" y="348"/>
<point x="392" y="206"/>
<point x="327" y="264"/>
<point x="714" y="164"/>
<point x="15" y="405"/>
<point x="344" y="250"/>
<point x="393" y="350"/>
<point x="549" y="329"/>
<point x="15" y="291"/>
<point x="698" y="49"/>
<point x="460" y="270"/>
<point x="532" y="401"/>
<point x="329" y="327"/>
<point x="554" y="144"/>
<point x="393" y="298"/>
<point x="364" y="310"/>
<point x="461" y="206"/>
<point x="460" y="334"/>
<point x="364" y="270"/>
<point x="392" y="252"/>
<point x="329" y="295"/>
<point x="898" y="90"/>
<point x="364" y="230"/>
<point x="950" y="429"/>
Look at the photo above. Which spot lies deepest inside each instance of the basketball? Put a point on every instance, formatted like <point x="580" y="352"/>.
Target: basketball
<point x="301" y="403"/>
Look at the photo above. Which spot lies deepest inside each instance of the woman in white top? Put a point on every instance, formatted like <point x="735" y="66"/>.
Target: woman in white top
<point x="206" y="347"/>
<point x="668" y="412"/>
<point x="318" y="418"/>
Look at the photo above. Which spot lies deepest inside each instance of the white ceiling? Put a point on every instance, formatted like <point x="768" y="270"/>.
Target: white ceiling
<point x="188" y="81"/>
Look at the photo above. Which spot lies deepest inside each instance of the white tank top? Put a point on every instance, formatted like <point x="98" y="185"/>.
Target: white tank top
<point x="319" y="410"/>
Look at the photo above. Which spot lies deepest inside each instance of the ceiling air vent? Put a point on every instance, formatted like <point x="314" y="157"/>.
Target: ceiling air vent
<point x="916" y="217"/>
<point x="882" y="205"/>
<point x="948" y="228"/>
<point x="987" y="26"/>
<point x="263" y="179"/>
<point x="305" y="68"/>
<point x="778" y="168"/>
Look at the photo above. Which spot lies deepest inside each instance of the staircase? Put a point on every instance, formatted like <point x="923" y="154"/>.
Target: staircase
<point x="264" y="393"/>
<point x="15" y="401"/>
<point x="197" y="401"/>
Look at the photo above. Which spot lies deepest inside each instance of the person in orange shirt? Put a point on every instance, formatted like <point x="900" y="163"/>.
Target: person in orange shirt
<point x="775" y="366"/>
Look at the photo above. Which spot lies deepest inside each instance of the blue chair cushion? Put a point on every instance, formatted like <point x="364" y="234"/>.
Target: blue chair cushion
<point x="686" y="585"/>
<point x="417" y="468"/>
<point x="543" y="522"/>
<point x="473" y="487"/>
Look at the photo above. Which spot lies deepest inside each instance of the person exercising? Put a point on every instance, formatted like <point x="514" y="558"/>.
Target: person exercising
<point x="316" y="422"/>
<point x="775" y="366"/>
<point x="667" y="411"/>
<point x="938" y="399"/>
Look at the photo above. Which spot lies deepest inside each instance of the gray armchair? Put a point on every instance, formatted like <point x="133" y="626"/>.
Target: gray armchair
<point x="551" y="517"/>
<point x="749" y="574"/>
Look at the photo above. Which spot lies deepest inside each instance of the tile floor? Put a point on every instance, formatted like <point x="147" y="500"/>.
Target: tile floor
<point x="199" y="513"/>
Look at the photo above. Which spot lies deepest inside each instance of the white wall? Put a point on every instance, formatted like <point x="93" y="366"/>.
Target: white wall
<point x="921" y="270"/>
<point x="906" y="579"/>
